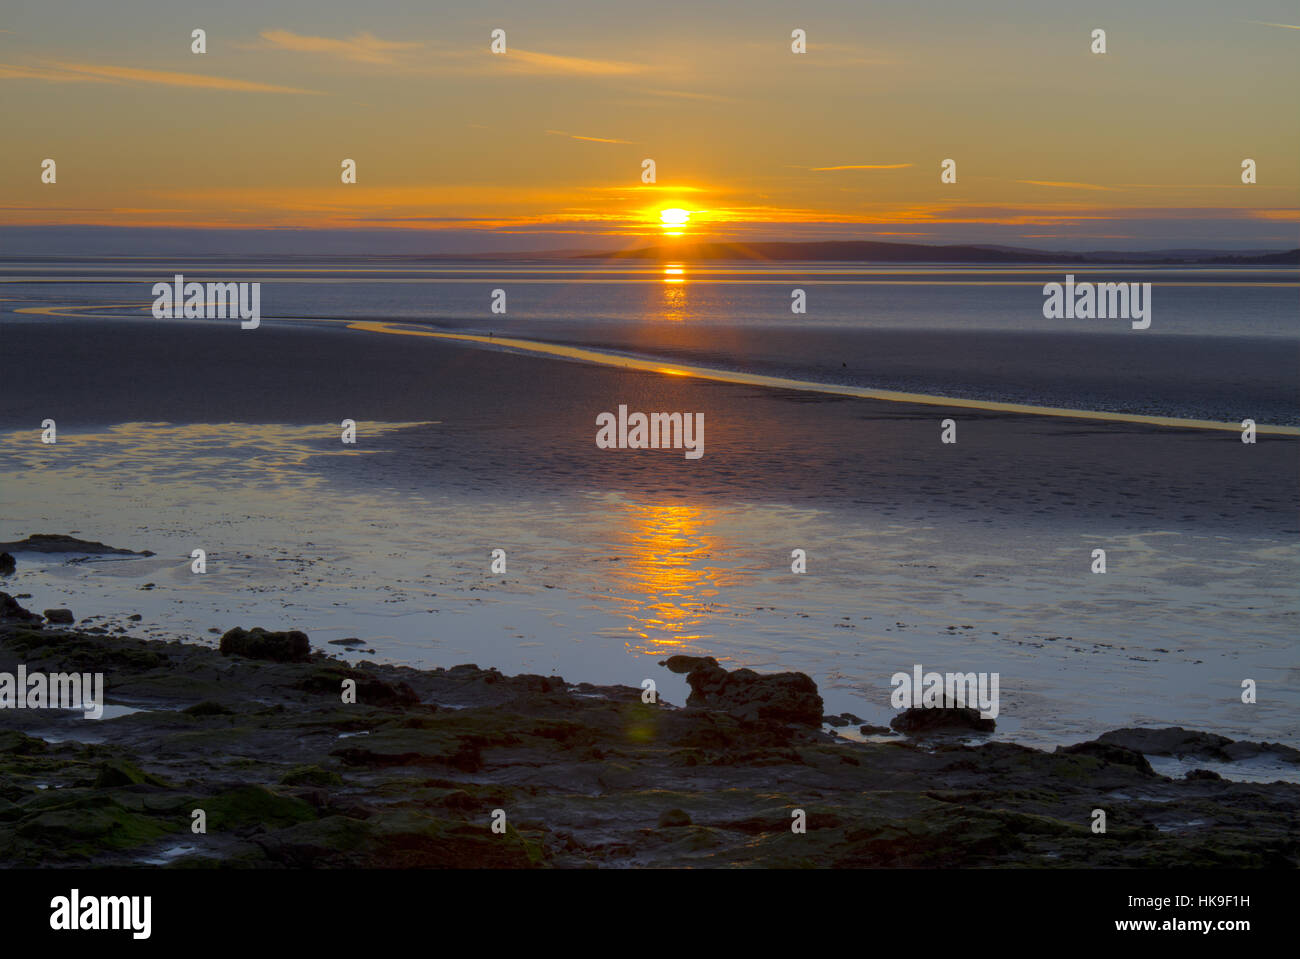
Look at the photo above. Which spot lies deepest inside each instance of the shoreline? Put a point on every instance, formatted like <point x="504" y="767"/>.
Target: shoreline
<point x="410" y="775"/>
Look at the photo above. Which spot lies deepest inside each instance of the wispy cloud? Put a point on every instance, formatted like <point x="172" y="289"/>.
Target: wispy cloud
<point x="1067" y="185"/>
<point x="532" y="62"/>
<point x="57" y="72"/>
<point x="362" y="48"/>
<point x="398" y="55"/>
<point x="860" y="166"/>
<point x="574" y="136"/>
<point x="1284" y="26"/>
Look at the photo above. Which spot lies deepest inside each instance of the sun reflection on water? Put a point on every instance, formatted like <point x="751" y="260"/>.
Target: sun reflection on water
<point x="665" y="583"/>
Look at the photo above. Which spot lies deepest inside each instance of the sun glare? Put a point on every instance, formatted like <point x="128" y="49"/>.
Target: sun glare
<point x="674" y="217"/>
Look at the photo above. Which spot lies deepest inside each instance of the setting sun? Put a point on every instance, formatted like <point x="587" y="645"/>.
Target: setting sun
<point x="674" y="217"/>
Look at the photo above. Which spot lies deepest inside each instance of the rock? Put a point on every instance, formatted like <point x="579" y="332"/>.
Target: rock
<point x="7" y="565"/>
<point x="1111" y="753"/>
<point x="60" y="616"/>
<point x="118" y="772"/>
<point x="1178" y="742"/>
<point x="836" y="721"/>
<point x="11" y="611"/>
<point x="673" y="817"/>
<point x="350" y="641"/>
<point x="206" y="708"/>
<point x="745" y="694"/>
<point x="869" y="730"/>
<point x="311" y="776"/>
<point x="289" y="646"/>
<point x="1170" y="741"/>
<point x="919" y="721"/>
<point x="1247" y="750"/>
<point x="58" y="543"/>
<point x="1205" y="774"/>
<point x="371" y="691"/>
<point x="255" y="806"/>
<point x="135" y="617"/>
<point x="585" y="772"/>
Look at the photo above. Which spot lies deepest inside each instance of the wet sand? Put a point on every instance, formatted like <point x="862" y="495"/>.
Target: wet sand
<point x="512" y="422"/>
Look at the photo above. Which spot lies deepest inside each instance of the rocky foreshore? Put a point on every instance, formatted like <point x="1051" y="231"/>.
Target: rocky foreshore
<point x="415" y="772"/>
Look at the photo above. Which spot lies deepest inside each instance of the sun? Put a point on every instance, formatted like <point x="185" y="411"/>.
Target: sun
<point x="674" y="217"/>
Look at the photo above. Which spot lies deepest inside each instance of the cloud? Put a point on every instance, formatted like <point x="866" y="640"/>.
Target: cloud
<point x="363" y="48"/>
<point x="366" y="48"/>
<point x="10" y="71"/>
<point x="860" y="166"/>
<point x="56" y="72"/>
<point x="1067" y="185"/>
<point x="574" y="136"/>
<point x="531" y="62"/>
<point x="1284" y="26"/>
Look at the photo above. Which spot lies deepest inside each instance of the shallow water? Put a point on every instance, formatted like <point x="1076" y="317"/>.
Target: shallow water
<point x="600" y="587"/>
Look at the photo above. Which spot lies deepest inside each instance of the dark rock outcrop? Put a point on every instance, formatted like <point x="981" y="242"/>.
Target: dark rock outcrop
<point x="1110" y="753"/>
<point x="60" y="616"/>
<point x="919" y="721"/>
<point x="7" y="565"/>
<point x="745" y="694"/>
<point x="370" y="690"/>
<point x="870" y="730"/>
<point x="58" y="543"/>
<point x="290" y="776"/>
<point x="12" y="612"/>
<point x="289" y="646"/>
<point x="1178" y="742"/>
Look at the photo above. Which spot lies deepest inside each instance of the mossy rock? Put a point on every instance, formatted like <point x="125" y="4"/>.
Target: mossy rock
<point x="12" y="742"/>
<point x="84" y="830"/>
<point x="250" y="806"/>
<point x="311" y="776"/>
<point x="119" y="772"/>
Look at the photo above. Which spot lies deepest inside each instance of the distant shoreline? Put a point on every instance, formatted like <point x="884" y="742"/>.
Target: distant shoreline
<point x="52" y="243"/>
<point x="865" y="251"/>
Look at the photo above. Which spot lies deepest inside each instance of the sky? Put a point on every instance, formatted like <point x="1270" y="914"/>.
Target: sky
<point x="1055" y="146"/>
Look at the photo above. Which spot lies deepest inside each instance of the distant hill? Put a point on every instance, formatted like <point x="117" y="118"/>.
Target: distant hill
<point x="1287" y="258"/>
<point x="869" y="251"/>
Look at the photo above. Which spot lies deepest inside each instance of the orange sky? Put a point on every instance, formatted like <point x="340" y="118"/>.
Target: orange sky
<point x="1050" y="140"/>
